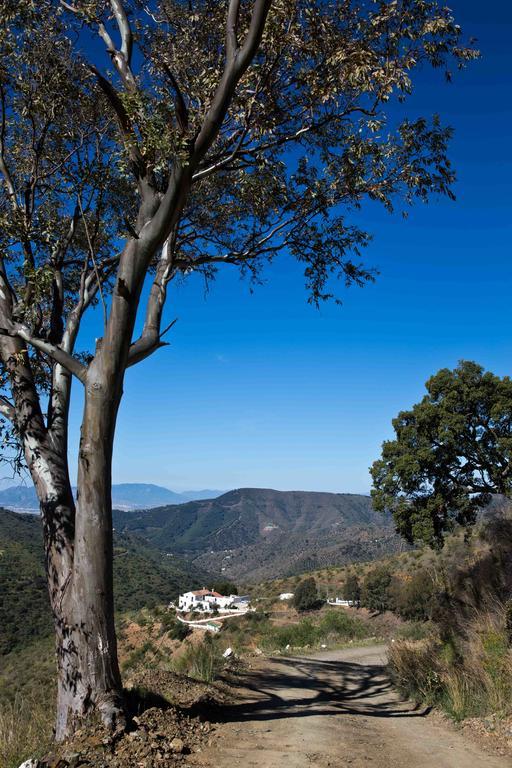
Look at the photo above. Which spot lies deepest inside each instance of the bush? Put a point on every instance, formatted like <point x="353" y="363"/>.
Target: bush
<point x="295" y="635"/>
<point x="225" y="587"/>
<point x="342" y="626"/>
<point x="413" y="599"/>
<point x="202" y="662"/>
<point x="306" y="596"/>
<point x="467" y="677"/>
<point x="176" y="630"/>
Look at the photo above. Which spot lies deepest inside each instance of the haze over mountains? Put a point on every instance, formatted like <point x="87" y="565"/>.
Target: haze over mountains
<point x="124" y="496"/>
<point x="255" y="533"/>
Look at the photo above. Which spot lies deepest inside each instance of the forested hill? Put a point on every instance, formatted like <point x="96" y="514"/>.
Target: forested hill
<point x="253" y="533"/>
<point x="143" y="576"/>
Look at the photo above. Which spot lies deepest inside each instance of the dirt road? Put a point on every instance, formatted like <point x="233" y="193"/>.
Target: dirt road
<point x="334" y="709"/>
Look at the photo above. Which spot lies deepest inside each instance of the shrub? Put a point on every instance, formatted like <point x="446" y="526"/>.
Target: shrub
<point x="342" y="626"/>
<point x="295" y="635"/>
<point x="202" y="662"/>
<point x="177" y="630"/>
<point x="225" y="587"/>
<point x="467" y="677"/>
<point x="413" y="599"/>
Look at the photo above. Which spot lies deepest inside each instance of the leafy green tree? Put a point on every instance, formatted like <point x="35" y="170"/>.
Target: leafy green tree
<point x="352" y="589"/>
<point x="212" y="134"/>
<point x="376" y="595"/>
<point x="452" y="451"/>
<point x="225" y="587"/>
<point x="306" y="597"/>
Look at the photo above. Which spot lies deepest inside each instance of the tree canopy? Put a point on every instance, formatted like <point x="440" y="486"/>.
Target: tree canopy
<point x="451" y="453"/>
<point x="209" y="134"/>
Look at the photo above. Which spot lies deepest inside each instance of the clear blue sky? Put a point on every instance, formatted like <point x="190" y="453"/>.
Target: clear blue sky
<point x="263" y="390"/>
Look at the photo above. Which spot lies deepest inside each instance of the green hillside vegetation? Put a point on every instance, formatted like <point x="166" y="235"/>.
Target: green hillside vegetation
<point x="254" y="533"/>
<point x="143" y="576"/>
<point x="238" y="517"/>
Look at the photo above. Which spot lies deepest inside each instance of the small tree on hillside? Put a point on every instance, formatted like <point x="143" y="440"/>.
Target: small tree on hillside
<point x="413" y="597"/>
<point x="452" y="451"/>
<point x="352" y="589"/>
<point x="376" y="590"/>
<point x="306" y="597"/>
<point x="141" y="142"/>
<point x="225" y="587"/>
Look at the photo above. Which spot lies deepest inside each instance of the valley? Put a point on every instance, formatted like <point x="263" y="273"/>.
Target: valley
<point x="250" y="534"/>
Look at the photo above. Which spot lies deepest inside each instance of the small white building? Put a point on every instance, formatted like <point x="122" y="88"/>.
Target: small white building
<point x="286" y="596"/>
<point x="207" y="600"/>
<point x="340" y="601"/>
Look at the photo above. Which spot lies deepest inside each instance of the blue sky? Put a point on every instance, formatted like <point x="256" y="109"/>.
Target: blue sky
<point x="263" y="390"/>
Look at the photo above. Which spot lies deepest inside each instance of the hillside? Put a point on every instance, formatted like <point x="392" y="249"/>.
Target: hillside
<point x="143" y="576"/>
<point x="124" y="495"/>
<point x="255" y="533"/>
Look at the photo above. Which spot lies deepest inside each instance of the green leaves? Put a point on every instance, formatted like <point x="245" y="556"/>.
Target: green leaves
<point x="452" y="451"/>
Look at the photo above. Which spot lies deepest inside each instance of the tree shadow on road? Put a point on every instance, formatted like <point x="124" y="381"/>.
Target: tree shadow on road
<point x="302" y="687"/>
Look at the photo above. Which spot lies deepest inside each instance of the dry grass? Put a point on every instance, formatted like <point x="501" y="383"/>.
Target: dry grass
<point x="467" y="677"/>
<point x="25" y="731"/>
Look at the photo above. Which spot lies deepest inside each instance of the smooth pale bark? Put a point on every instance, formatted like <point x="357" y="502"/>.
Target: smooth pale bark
<point x="79" y="561"/>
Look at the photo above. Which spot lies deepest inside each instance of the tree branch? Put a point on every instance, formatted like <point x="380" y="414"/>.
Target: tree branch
<point x="151" y="338"/>
<point x="125" y="125"/>
<point x="69" y="362"/>
<point x="7" y="409"/>
<point x="231" y="29"/>
<point x="235" y="68"/>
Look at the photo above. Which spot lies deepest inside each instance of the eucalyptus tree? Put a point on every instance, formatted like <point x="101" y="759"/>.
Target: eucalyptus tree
<point x="144" y="141"/>
<point x="452" y="451"/>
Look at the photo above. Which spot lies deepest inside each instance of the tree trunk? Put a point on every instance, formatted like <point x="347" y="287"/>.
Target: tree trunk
<point x="89" y="677"/>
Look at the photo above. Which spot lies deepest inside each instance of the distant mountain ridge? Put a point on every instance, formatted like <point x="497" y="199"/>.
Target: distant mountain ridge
<point x="124" y="495"/>
<point x="256" y="533"/>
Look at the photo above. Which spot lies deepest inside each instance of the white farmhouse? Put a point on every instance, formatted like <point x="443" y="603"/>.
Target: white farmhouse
<point x="286" y="596"/>
<point x="206" y="600"/>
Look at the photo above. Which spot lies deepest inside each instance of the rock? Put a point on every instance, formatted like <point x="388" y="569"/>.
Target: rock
<point x="32" y="763"/>
<point x="227" y="653"/>
<point x="177" y="745"/>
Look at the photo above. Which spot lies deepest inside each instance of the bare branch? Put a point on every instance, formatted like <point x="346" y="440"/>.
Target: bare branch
<point x="124" y="30"/>
<point x="69" y="362"/>
<point x="233" y="71"/>
<point x="151" y="337"/>
<point x="179" y="101"/>
<point x="91" y="252"/>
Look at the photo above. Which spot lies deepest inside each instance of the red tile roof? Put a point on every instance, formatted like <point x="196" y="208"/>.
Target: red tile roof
<point x="205" y="592"/>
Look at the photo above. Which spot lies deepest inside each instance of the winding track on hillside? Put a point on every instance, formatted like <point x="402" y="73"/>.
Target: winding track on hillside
<point x="336" y="709"/>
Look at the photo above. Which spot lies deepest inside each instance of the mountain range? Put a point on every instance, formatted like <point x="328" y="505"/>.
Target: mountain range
<point x="251" y="534"/>
<point x="124" y="496"/>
